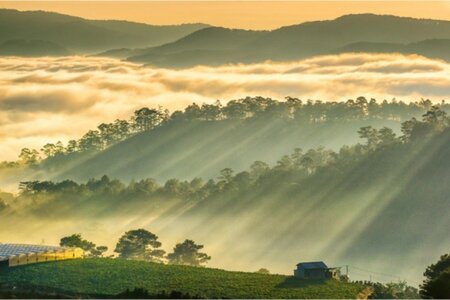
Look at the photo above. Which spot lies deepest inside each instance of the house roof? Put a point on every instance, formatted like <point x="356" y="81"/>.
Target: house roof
<point x="8" y="250"/>
<point x="313" y="265"/>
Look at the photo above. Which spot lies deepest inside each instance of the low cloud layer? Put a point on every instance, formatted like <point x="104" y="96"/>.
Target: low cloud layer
<point x="49" y="99"/>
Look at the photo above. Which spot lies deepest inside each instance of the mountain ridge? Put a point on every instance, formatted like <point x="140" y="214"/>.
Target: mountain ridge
<point x="84" y="35"/>
<point x="305" y="40"/>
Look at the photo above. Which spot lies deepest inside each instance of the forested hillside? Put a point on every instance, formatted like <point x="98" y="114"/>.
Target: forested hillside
<point x="203" y="139"/>
<point x="384" y="197"/>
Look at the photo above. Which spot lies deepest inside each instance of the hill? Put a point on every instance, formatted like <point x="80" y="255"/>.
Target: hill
<point x="32" y="48"/>
<point x="86" y="36"/>
<point x="300" y="41"/>
<point x="206" y="46"/>
<point x="112" y="276"/>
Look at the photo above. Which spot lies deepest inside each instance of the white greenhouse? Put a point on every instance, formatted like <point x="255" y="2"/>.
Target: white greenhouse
<point x="12" y="255"/>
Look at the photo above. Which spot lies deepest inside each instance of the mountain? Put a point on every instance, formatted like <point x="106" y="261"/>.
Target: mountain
<point x="86" y="36"/>
<point x="196" y="44"/>
<point x="300" y="41"/>
<point x="320" y="37"/>
<point x="32" y="48"/>
<point x="207" y="46"/>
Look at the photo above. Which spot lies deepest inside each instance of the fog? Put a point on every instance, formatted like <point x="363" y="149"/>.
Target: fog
<point x="49" y="99"/>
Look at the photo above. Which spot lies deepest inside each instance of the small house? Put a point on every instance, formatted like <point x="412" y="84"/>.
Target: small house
<point x="315" y="270"/>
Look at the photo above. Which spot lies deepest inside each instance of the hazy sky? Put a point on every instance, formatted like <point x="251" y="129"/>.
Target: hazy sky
<point x="242" y="14"/>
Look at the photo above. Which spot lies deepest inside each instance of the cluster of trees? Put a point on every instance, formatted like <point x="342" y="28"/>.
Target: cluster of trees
<point x="392" y="290"/>
<point x="293" y="168"/>
<point x="104" y="136"/>
<point x="141" y="244"/>
<point x="435" y="286"/>
<point x="292" y="109"/>
<point x="437" y="279"/>
<point x="105" y="187"/>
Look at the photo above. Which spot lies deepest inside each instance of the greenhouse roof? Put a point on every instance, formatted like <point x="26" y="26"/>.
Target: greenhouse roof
<point x="8" y="250"/>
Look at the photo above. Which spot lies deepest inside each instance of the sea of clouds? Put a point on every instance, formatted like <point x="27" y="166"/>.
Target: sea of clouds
<point x="50" y="99"/>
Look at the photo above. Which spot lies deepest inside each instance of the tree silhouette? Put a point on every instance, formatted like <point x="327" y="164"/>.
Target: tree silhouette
<point x="187" y="253"/>
<point x="139" y="244"/>
<point x="437" y="279"/>
<point x="29" y="156"/>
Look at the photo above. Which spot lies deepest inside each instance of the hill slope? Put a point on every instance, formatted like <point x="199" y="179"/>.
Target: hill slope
<point x="185" y="150"/>
<point x="82" y="35"/>
<point x="110" y="277"/>
<point x="303" y="40"/>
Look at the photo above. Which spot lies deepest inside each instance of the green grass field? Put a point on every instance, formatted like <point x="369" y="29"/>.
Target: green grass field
<point x="112" y="276"/>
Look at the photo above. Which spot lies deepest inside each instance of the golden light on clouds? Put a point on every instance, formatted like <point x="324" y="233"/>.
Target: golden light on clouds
<point x="50" y="99"/>
<point x="236" y="14"/>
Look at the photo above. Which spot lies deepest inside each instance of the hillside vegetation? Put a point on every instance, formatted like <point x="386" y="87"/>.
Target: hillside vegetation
<point x="203" y="139"/>
<point x="113" y="276"/>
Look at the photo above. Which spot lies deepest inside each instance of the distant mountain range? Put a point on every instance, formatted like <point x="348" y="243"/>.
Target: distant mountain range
<point x="193" y="44"/>
<point x="350" y="33"/>
<point x="81" y="36"/>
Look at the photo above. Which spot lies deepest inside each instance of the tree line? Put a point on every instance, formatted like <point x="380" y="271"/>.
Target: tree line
<point x="141" y="244"/>
<point x="296" y="166"/>
<point x="249" y="108"/>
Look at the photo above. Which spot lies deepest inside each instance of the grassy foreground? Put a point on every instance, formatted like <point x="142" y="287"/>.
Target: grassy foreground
<point x="113" y="276"/>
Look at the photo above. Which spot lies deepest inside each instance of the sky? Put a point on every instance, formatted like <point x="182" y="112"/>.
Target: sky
<point x="49" y="99"/>
<point x="233" y="14"/>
